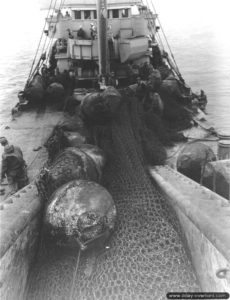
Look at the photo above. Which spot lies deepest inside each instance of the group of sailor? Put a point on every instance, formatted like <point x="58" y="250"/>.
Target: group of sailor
<point x="81" y="32"/>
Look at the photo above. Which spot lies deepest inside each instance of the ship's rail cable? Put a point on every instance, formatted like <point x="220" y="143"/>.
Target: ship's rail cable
<point x="38" y="65"/>
<point x="36" y="53"/>
<point x="40" y="60"/>
<point x="149" y="17"/>
<point x="171" y="64"/>
<point x="51" y="39"/>
<point x="156" y="33"/>
<point x="47" y="34"/>
<point x="174" y="60"/>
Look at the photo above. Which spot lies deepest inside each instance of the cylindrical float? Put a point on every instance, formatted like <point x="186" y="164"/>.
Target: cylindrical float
<point x="224" y="134"/>
<point x="216" y="177"/>
<point x="192" y="158"/>
<point x="224" y="144"/>
<point x="224" y="149"/>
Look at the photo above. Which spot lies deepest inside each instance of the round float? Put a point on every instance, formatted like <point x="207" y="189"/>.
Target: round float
<point x="80" y="214"/>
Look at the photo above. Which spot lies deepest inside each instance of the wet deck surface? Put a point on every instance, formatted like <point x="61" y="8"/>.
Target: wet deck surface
<point x="29" y="131"/>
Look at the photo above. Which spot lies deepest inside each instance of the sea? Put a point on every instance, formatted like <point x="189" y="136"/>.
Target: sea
<point x="196" y="30"/>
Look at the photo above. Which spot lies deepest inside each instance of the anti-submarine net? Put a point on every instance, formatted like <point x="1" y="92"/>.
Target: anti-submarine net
<point x="145" y="257"/>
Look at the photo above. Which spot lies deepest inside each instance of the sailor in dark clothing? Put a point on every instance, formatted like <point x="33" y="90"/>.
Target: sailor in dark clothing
<point x="14" y="168"/>
<point x="141" y="88"/>
<point x="81" y="33"/>
<point x="156" y="56"/>
<point x="67" y="15"/>
<point x="112" y="81"/>
<point x="202" y="100"/>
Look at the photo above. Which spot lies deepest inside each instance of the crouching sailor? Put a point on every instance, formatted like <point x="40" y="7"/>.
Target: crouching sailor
<point x="14" y="168"/>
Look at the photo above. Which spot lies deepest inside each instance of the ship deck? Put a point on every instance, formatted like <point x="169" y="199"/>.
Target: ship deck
<point x="29" y="131"/>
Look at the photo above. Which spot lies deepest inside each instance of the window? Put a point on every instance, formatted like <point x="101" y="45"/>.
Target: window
<point x="125" y="13"/>
<point x="77" y="14"/>
<point x="94" y="14"/>
<point x="115" y="13"/>
<point x="87" y="14"/>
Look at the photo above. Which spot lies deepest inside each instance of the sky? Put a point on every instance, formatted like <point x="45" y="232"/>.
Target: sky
<point x="19" y="15"/>
<point x="196" y="10"/>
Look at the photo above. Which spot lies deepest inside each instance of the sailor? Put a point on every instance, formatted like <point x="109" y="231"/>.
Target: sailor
<point x="141" y="88"/>
<point x="59" y="14"/>
<point x="4" y="142"/>
<point x="93" y="31"/>
<point x="67" y="15"/>
<point x="81" y="33"/>
<point x="14" y="168"/>
<point x="202" y="100"/>
<point x="70" y="35"/>
<point x="156" y="56"/>
<point x="44" y="71"/>
<point x="131" y="73"/>
<point x="112" y="81"/>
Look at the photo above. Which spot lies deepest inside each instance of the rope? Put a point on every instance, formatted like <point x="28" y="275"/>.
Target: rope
<point x="38" y="64"/>
<point x="53" y="33"/>
<point x="74" y="275"/>
<point x="165" y="36"/>
<point x="29" y="77"/>
<point x="31" y="74"/>
<point x="51" y="40"/>
<point x="158" y="38"/>
<point x="149" y="17"/>
<point x="179" y="74"/>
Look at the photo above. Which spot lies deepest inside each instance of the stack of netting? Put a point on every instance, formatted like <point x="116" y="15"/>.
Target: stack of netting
<point x="145" y="257"/>
<point x="78" y="211"/>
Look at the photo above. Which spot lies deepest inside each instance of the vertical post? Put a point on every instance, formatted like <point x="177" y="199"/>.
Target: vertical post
<point x="102" y="37"/>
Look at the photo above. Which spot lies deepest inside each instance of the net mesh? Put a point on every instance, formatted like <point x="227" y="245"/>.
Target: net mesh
<point x="145" y="257"/>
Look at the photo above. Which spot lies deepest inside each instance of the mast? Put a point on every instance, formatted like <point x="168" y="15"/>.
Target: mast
<point x="102" y="37"/>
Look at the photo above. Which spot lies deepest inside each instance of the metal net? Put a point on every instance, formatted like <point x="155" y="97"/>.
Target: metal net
<point x="145" y="257"/>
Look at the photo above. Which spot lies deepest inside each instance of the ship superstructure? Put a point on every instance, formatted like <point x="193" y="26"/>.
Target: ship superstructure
<point x="126" y="37"/>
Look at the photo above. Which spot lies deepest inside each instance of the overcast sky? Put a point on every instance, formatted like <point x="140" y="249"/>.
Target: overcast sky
<point x="19" y="16"/>
<point x="183" y="11"/>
